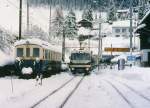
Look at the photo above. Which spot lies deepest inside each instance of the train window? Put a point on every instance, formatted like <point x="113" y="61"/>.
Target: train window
<point x="80" y="56"/>
<point x="28" y="52"/>
<point x="49" y="54"/>
<point x="19" y="52"/>
<point x="36" y="52"/>
<point x="46" y="54"/>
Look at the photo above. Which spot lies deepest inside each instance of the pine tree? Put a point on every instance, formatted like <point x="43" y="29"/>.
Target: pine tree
<point x="142" y="9"/>
<point x="141" y="13"/>
<point x="88" y="14"/>
<point x="58" y="23"/>
<point x="70" y="25"/>
<point x="111" y="14"/>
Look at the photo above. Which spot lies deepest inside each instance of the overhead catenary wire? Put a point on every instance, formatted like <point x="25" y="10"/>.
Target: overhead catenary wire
<point x="24" y="13"/>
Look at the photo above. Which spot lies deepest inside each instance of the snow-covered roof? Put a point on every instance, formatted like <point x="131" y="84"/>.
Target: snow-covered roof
<point x="39" y="42"/>
<point x="140" y="27"/>
<point x="122" y="23"/>
<point x="123" y="10"/>
<point x="80" y="51"/>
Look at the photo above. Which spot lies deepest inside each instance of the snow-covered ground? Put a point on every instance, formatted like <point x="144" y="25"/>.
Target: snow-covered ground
<point x="102" y="89"/>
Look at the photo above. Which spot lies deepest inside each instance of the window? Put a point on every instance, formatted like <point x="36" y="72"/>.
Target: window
<point x="117" y="35"/>
<point x="124" y="30"/>
<point x="49" y="54"/>
<point x="36" y="52"/>
<point x="19" y="52"/>
<point x="80" y="56"/>
<point x="28" y="52"/>
<point x="46" y="54"/>
<point x="117" y="30"/>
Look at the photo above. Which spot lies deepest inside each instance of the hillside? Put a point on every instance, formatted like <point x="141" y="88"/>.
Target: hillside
<point x="82" y="4"/>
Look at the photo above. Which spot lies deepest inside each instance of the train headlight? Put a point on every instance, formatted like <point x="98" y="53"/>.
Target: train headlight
<point x="72" y="68"/>
<point x="87" y="69"/>
<point x="18" y="59"/>
<point x="37" y="60"/>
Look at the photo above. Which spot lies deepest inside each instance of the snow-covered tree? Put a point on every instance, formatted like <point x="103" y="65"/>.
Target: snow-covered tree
<point x="88" y="14"/>
<point x="70" y="25"/>
<point x="111" y="14"/>
<point x="35" y="32"/>
<point x="141" y="12"/>
<point x="6" y="40"/>
<point x="57" y="23"/>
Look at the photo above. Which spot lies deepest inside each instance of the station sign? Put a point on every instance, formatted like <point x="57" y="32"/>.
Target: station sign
<point x="131" y="58"/>
<point x="109" y="49"/>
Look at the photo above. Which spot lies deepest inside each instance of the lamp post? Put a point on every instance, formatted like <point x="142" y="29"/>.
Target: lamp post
<point x="131" y="28"/>
<point x="99" y="42"/>
<point x="20" y="19"/>
<point x="28" y="17"/>
<point x="50" y="15"/>
<point x="63" y="45"/>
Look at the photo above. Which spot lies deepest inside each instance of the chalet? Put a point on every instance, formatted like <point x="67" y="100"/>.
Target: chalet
<point x="121" y="28"/>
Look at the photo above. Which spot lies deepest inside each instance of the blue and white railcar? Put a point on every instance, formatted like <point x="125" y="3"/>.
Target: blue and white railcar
<point x="81" y="61"/>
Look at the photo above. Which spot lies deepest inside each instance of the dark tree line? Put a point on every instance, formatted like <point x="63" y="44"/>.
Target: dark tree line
<point x="81" y="4"/>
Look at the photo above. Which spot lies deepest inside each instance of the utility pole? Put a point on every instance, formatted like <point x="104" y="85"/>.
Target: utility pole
<point x="63" y="45"/>
<point x="20" y="19"/>
<point x="131" y="28"/>
<point x="100" y="40"/>
<point x="50" y="16"/>
<point x="28" y="17"/>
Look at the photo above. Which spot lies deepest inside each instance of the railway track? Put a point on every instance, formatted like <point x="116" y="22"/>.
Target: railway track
<point x="58" y="89"/>
<point x="135" y="91"/>
<point x="71" y="93"/>
<point x="120" y="93"/>
<point x="130" y="102"/>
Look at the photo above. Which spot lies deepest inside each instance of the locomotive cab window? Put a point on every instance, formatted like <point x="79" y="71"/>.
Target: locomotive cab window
<point x="80" y="56"/>
<point x="36" y="52"/>
<point x="19" y="52"/>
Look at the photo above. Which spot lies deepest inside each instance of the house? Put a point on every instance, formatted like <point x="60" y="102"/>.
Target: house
<point x="122" y="28"/>
<point x="122" y="14"/>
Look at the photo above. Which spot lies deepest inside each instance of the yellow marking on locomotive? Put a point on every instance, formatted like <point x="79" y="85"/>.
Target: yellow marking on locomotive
<point x="80" y="66"/>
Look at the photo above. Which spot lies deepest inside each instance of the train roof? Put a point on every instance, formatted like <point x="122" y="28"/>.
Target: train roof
<point x="81" y="51"/>
<point x="39" y="42"/>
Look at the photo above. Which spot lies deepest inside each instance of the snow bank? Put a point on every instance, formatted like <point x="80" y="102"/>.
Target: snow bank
<point x="27" y="70"/>
<point x="123" y="56"/>
<point x="5" y="59"/>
